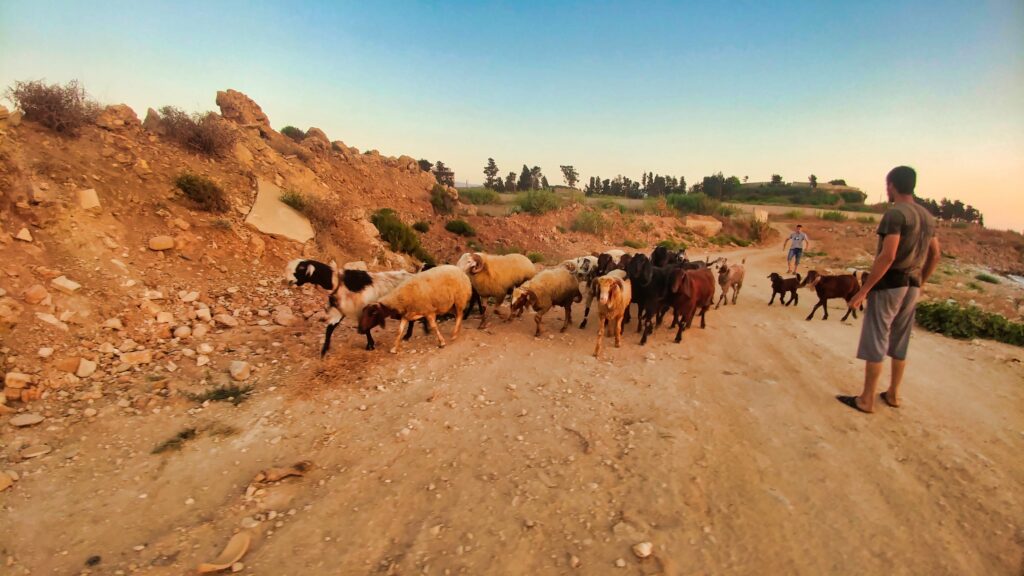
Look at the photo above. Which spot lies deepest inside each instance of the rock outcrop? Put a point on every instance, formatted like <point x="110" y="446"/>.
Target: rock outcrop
<point x="241" y="109"/>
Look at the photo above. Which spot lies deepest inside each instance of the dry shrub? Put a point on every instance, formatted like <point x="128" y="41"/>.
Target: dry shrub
<point x="203" y="191"/>
<point x="63" y="109"/>
<point x="202" y="132"/>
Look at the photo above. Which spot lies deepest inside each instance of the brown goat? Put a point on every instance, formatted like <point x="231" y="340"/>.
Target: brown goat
<point x="730" y="276"/>
<point x="613" y="302"/>
<point x="782" y="285"/>
<point x="844" y="286"/>
<point x="691" y="289"/>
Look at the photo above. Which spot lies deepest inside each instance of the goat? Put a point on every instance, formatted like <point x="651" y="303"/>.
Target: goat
<point x="827" y="287"/>
<point x="691" y="289"/>
<point x="614" y="296"/>
<point x="730" y="276"/>
<point x="782" y="285"/>
<point x="349" y="291"/>
<point x="651" y="291"/>
<point x="426" y="295"/>
<point x="662" y="256"/>
<point x="584" y="269"/>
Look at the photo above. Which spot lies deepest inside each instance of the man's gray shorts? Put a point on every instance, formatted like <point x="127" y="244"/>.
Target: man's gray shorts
<point x="887" y="323"/>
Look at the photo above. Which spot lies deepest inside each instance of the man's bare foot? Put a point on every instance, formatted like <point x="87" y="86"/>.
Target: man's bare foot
<point x="886" y="398"/>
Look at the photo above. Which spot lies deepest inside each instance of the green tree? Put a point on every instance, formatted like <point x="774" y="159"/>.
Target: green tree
<point x="499" y="185"/>
<point x="571" y="175"/>
<point x="510" y="182"/>
<point x="813" y="180"/>
<point x="443" y="175"/>
<point x="525" y="179"/>
<point x="776" y="179"/>
<point x="544" y="182"/>
<point x="490" y="171"/>
<point x="425" y="165"/>
<point x="535" y="177"/>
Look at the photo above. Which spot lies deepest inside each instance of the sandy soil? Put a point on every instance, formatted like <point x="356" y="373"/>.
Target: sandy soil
<point x="502" y="454"/>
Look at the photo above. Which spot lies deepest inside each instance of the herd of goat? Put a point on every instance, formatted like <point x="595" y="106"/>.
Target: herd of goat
<point x="662" y="282"/>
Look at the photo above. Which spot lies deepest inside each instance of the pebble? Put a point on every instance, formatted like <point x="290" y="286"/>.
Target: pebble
<point x="86" y="368"/>
<point x="226" y="320"/>
<point x="65" y="285"/>
<point x="620" y="563"/>
<point x="89" y="412"/>
<point x="33" y="451"/>
<point x="24" y="235"/>
<point x="45" y="352"/>
<point x="22" y="420"/>
<point x="239" y="370"/>
<point x="643" y="549"/>
<point x="182" y="332"/>
<point x="17" y="380"/>
<point x="249" y="522"/>
<point x="237" y="567"/>
<point x="200" y="330"/>
<point x="204" y="348"/>
<point x="202" y="360"/>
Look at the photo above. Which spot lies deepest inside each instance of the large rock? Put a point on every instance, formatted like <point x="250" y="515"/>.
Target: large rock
<point x="159" y="243"/>
<point x="35" y="294"/>
<point x="241" y="109"/>
<point x="271" y="216"/>
<point x="17" y="380"/>
<point x="153" y="123"/>
<point x="116" y="117"/>
<point x="87" y="199"/>
<point x="65" y="284"/>
<point x="239" y="370"/>
<point x="704" y="225"/>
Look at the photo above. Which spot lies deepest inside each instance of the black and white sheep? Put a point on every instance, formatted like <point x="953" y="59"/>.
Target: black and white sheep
<point x="427" y="295"/>
<point x="349" y="291"/>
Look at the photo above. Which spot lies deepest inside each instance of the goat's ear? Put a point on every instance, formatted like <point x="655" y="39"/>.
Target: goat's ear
<point x="333" y="264"/>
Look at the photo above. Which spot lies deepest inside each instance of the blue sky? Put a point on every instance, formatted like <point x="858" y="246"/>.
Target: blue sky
<point x="841" y="90"/>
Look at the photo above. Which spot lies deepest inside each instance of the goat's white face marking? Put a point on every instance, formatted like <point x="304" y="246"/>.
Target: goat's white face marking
<point x="309" y="270"/>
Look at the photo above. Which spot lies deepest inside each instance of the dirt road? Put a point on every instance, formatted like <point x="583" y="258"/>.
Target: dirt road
<point x="503" y="454"/>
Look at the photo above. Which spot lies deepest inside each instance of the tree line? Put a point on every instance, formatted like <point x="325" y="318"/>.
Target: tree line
<point x="952" y="210"/>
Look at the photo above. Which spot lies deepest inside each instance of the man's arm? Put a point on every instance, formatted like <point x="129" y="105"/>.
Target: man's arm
<point x="786" y="243"/>
<point x="932" y="261"/>
<point x="883" y="261"/>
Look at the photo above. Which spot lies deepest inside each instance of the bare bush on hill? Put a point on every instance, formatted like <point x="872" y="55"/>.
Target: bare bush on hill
<point x="204" y="132"/>
<point x="63" y="109"/>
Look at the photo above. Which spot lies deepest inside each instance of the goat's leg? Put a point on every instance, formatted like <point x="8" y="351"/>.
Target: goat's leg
<point x="703" y="311"/>
<point x="772" y="301"/>
<point x="736" y="293"/>
<point x="849" y="310"/>
<point x="327" y="340"/>
<point x="408" y="331"/>
<point x="568" y="317"/>
<point x="648" y="327"/>
<point x="403" y="325"/>
<point x="813" y="310"/>
<point x="483" y="319"/>
<point x="618" y="332"/>
<point x="824" y="306"/>
<point x="794" y="298"/>
<point x="602" y="324"/>
<point x="432" y="319"/>
<point x="538" y="317"/>
<point x="679" y="330"/>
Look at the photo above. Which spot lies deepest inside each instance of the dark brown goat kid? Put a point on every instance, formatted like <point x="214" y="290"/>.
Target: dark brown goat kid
<point x="780" y="286"/>
<point x="844" y="286"/>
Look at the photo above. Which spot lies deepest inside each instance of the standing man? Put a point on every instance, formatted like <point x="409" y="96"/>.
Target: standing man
<point x="908" y="253"/>
<point x="799" y="241"/>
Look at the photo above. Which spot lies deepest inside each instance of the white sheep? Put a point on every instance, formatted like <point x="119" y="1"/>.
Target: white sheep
<point x="552" y="287"/>
<point x="614" y="295"/>
<point x="429" y="294"/>
<point x="495" y="276"/>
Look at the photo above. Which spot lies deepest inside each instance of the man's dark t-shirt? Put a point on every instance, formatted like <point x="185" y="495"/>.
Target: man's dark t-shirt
<point x="916" y="228"/>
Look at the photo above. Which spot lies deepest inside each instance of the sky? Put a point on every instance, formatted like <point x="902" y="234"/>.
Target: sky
<point x="838" y="89"/>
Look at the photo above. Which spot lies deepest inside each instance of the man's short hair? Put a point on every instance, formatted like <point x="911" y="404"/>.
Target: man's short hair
<point x="903" y="179"/>
<point x="799" y="225"/>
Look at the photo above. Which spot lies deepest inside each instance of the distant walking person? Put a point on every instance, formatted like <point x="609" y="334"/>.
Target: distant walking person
<point x="908" y="253"/>
<point x="797" y="242"/>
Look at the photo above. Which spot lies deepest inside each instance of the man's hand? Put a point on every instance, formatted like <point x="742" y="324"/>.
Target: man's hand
<point x="859" y="298"/>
